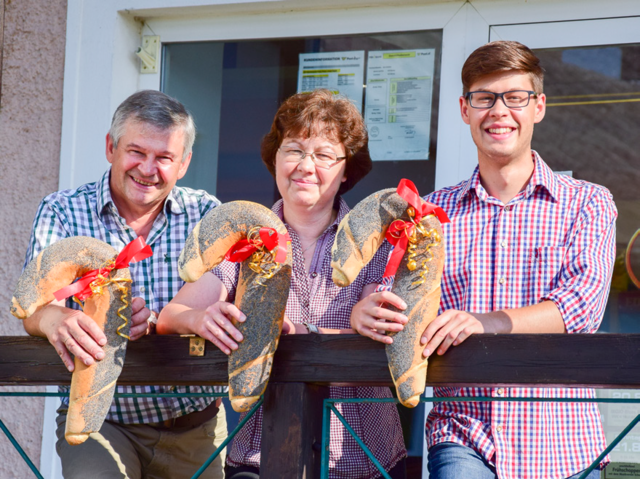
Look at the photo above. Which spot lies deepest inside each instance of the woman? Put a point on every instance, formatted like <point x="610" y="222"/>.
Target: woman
<point x="316" y="150"/>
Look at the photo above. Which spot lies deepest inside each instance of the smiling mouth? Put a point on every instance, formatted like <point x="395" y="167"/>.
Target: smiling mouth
<point x="143" y="183"/>
<point x="303" y="182"/>
<point x="500" y="131"/>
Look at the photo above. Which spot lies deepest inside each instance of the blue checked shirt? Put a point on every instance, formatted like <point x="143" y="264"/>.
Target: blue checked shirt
<point x="90" y="211"/>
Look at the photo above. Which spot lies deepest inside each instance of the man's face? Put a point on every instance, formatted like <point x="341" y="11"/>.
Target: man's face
<point x="145" y="166"/>
<point x="503" y="134"/>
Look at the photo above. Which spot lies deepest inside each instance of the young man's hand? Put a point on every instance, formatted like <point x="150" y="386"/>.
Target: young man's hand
<point x="450" y="328"/>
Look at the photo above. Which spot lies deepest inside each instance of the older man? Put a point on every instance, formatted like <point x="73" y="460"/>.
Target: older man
<point x="149" y="148"/>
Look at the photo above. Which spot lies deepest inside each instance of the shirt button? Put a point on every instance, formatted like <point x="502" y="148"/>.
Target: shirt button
<point x="498" y="428"/>
<point x="507" y="208"/>
<point x="502" y="280"/>
<point x="500" y="392"/>
<point x="306" y="304"/>
<point x="503" y="244"/>
<point x="314" y="274"/>
<point x="142" y="289"/>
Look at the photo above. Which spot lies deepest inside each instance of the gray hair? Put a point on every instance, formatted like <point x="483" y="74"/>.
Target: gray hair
<point x="158" y="110"/>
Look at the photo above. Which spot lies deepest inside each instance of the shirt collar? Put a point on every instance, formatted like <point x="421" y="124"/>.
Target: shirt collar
<point x="343" y="209"/>
<point x="174" y="203"/>
<point x="542" y="176"/>
<point x="104" y="192"/>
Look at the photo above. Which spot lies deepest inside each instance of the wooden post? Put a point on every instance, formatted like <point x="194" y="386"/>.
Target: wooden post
<point x="292" y="430"/>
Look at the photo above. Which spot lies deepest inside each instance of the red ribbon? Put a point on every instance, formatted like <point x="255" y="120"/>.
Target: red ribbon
<point x="399" y="231"/>
<point x="135" y="251"/>
<point x="271" y="240"/>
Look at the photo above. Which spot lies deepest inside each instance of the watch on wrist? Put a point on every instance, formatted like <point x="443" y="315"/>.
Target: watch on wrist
<point x="312" y="328"/>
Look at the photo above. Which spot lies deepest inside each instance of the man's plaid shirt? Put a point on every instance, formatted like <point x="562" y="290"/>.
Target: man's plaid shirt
<point x="90" y="211"/>
<point x="555" y="241"/>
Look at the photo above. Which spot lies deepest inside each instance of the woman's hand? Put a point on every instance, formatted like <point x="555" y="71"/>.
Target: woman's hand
<point x="371" y="319"/>
<point x="288" y="327"/>
<point x="216" y="325"/>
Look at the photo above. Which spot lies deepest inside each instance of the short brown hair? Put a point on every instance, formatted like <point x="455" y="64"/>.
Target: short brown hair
<point x="502" y="56"/>
<point x="302" y="114"/>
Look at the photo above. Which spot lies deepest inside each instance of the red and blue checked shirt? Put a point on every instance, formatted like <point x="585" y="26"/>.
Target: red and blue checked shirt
<point x="554" y="241"/>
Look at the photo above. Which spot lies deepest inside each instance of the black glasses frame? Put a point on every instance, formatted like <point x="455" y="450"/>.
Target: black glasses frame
<point x="501" y="96"/>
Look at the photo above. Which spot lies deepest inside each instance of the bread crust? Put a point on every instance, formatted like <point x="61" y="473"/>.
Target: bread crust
<point x="359" y="236"/>
<point x="262" y="302"/>
<point x="92" y="387"/>
<point x="361" y="232"/>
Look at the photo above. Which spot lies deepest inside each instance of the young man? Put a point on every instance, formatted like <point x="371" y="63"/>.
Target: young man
<point x="149" y="148"/>
<point x="527" y="251"/>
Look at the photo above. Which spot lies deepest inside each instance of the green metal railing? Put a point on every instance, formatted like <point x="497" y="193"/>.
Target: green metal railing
<point x="328" y="409"/>
<point x="198" y="473"/>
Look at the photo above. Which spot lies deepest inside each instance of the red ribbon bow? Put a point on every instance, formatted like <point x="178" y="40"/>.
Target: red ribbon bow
<point x="271" y="240"/>
<point x="135" y="251"/>
<point x="399" y="231"/>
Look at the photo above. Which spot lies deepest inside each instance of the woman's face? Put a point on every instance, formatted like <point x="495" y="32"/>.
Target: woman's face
<point x="303" y="184"/>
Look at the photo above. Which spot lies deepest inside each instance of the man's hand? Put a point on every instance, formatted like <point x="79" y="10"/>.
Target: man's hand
<point x="72" y="332"/>
<point x="453" y="327"/>
<point x="450" y="328"/>
<point x="371" y="319"/>
<point x="216" y="325"/>
<point x="139" y="319"/>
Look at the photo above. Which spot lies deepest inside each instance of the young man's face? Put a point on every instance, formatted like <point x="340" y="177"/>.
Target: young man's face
<point x="503" y="134"/>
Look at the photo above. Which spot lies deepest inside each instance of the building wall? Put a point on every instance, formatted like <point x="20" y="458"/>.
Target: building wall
<point x="32" y="53"/>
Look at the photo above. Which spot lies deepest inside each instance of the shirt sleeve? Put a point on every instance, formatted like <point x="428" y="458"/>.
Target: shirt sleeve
<point x="228" y="273"/>
<point x="375" y="269"/>
<point x="49" y="226"/>
<point x="585" y="278"/>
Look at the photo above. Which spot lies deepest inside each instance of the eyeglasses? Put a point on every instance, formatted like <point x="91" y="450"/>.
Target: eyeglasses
<point x="511" y="99"/>
<point x="322" y="159"/>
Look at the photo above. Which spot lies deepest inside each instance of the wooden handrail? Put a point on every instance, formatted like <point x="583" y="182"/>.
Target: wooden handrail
<point x="305" y="364"/>
<point x="601" y="361"/>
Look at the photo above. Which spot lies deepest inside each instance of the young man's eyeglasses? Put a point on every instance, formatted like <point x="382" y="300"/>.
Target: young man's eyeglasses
<point x="322" y="159"/>
<point x="512" y="99"/>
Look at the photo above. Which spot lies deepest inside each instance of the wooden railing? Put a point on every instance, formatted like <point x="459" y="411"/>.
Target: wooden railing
<point x="305" y="365"/>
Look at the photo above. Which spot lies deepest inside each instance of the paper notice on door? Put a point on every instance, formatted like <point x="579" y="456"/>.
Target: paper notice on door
<point x="340" y="72"/>
<point x="398" y="103"/>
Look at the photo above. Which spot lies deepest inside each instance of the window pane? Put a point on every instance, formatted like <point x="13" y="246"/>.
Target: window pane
<point x="234" y="90"/>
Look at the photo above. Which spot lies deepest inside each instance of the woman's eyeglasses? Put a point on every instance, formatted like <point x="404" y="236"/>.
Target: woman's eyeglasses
<point x="322" y="159"/>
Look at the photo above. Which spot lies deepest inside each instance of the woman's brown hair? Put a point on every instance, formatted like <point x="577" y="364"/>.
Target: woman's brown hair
<point x="304" y="114"/>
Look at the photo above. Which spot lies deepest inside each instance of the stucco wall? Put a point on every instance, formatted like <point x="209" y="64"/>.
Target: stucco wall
<point x="30" y="124"/>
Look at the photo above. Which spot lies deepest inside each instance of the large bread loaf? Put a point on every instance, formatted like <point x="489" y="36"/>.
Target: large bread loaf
<point x="262" y="300"/>
<point x="417" y="280"/>
<point x="92" y="387"/>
